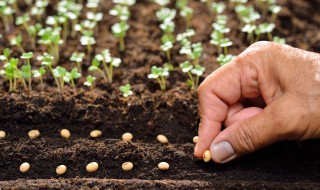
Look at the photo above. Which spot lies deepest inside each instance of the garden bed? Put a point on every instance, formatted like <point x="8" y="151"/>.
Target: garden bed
<point x="146" y="114"/>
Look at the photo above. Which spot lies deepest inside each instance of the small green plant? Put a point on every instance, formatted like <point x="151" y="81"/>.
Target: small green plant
<point x="89" y="82"/>
<point x="187" y="12"/>
<point x="88" y="41"/>
<point x="16" y="41"/>
<point x="166" y="48"/>
<point x="224" y="59"/>
<point x="162" y="3"/>
<point x="121" y="12"/>
<point x="39" y="74"/>
<point x="69" y="77"/>
<point x="159" y="73"/>
<point x="26" y="69"/>
<point x="265" y="28"/>
<point x="274" y="9"/>
<point x="247" y="14"/>
<point x="6" y="13"/>
<point x="279" y="40"/>
<point x="191" y="70"/>
<point x="5" y="55"/>
<point x="50" y="37"/>
<point x="249" y="29"/>
<point x="47" y="61"/>
<point x="78" y="58"/>
<point x="218" y="8"/>
<point x="126" y="90"/>
<point x="59" y="73"/>
<point x="120" y="31"/>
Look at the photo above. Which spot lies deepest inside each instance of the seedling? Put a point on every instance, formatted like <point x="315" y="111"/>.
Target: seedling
<point x="88" y="41"/>
<point x="26" y="69"/>
<point x="265" y="28"/>
<point x="159" y="73"/>
<point x="59" y="73"/>
<point x="119" y="30"/>
<point x="166" y="14"/>
<point x="62" y="169"/>
<point x="126" y="90"/>
<point x="206" y="156"/>
<point x="279" y="40"/>
<point x="162" y="3"/>
<point x="186" y="13"/>
<point x="162" y="139"/>
<point x="50" y="37"/>
<point x="33" y="134"/>
<point x="92" y="167"/>
<point x="24" y="167"/>
<point x="274" y="9"/>
<point x="191" y="70"/>
<point x="71" y="76"/>
<point x="195" y="139"/>
<point x="125" y="2"/>
<point x="166" y="48"/>
<point x="127" y="137"/>
<point x="65" y="133"/>
<point x="47" y="60"/>
<point x="163" y="166"/>
<point x="225" y="43"/>
<point x="5" y="55"/>
<point x="249" y="29"/>
<point x="127" y="166"/>
<point x="180" y="4"/>
<point x="95" y="133"/>
<point x="6" y="13"/>
<point x="224" y="59"/>
<point x="122" y="12"/>
<point x="2" y="134"/>
<point x="90" y="81"/>
<point x="16" y="41"/>
<point x="218" y="8"/>
<point x="39" y="74"/>
<point x="78" y="58"/>
<point x="39" y="9"/>
<point x="247" y="14"/>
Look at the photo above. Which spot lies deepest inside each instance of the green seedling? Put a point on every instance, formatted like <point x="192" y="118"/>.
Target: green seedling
<point x="274" y="9"/>
<point x="59" y="73"/>
<point x="5" y="55"/>
<point x="90" y="81"/>
<point x="78" y="58"/>
<point x="125" y="2"/>
<point x="119" y="30"/>
<point x="6" y="13"/>
<point x="23" y="20"/>
<point x="224" y="59"/>
<point x="180" y="4"/>
<point x="247" y="14"/>
<point x="235" y="3"/>
<point x="264" y="5"/>
<point x="121" y="12"/>
<point x="249" y="29"/>
<point x="279" y="40"/>
<point x="191" y="70"/>
<point x="265" y="28"/>
<point x="50" y="37"/>
<point x="159" y="73"/>
<point x="71" y="76"/>
<point x="187" y="13"/>
<point x="39" y="9"/>
<point x="26" y="69"/>
<point x="95" y="66"/>
<point x="92" y="4"/>
<point x="33" y="31"/>
<point x="88" y="41"/>
<point x="162" y="3"/>
<point x="166" y="48"/>
<point x="126" y="90"/>
<point x="39" y="74"/>
<point x="47" y="61"/>
<point x="17" y="41"/>
<point x="225" y="43"/>
<point x="166" y="14"/>
<point x="218" y="8"/>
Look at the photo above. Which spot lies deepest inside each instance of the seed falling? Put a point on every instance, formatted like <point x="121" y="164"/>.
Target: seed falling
<point x="92" y="167"/>
<point x="62" y="169"/>
<point x="24" y="167"/>
<point x="127" y="137"/>
<point x="34" y="134"/>
<point x="162" y="139"/>
<point x="2" y="134"/>
<point x="195" y="139"/>
<point x="206" y="156"/>
<point x="127" y="166"/>
<point x="95" y="133"/>
<point x="65" y="133"/>
<point x="163" y="166"/>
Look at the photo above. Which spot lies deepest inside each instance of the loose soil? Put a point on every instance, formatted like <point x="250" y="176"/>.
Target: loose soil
<point x="286" y="165"/>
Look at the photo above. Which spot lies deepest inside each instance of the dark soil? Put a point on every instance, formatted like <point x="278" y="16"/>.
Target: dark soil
<point x="286" y="165"/>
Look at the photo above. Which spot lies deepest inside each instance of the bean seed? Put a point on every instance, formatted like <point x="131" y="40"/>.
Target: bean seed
<point x="127" y="137"/>
<point x="195" y="139"/>
<point x="163" y="166"/>
<point x="62" y="169"/>
<point x="33" y="134"/>
<point x="24" y="167"/>
<point x="127" y="166"/>
<point x="95" y="133"/>
<point x="2" y="134"/>
<point x="65" y="133"/>
<point x="92" y="167"/>
<point x="206" y="156"/>
<point x="162" y="139"/>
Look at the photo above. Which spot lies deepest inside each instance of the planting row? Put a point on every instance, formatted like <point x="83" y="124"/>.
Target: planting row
<point x="67" y="23"/>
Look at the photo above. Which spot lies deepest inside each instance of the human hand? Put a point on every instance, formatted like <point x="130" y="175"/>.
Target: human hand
<point x="282" y="86"/>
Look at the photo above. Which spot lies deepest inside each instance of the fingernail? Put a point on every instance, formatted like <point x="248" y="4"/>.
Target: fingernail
<point x="196" y="148"/>
<point x="222" y="152"/>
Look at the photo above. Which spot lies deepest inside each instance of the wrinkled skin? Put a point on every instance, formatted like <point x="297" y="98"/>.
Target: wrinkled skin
<point x="269" y="93"/>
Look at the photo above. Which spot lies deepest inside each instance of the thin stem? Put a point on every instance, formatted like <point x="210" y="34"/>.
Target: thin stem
<point x="79" y="66"/>
<point x="122" y="45"/>
<point x="192" y="79"/>
<point x="73" y="86"/>
<point x="168" y="56"/>
<point x="10" y="85"/>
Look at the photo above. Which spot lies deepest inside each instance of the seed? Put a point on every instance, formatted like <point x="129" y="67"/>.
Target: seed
<point x="127" y="137"/>
<point x="62" y="169"/>
<point x="206" y="156"/>
<point x="95" y="133"/>
<point x="33" y="134"/>
<point x="65" y="133"/>
<point x="127" y="166"/>
<point x="162" y="139"/>
<point x="163" y="166"/>
<point x="2" y="134"/>
<point x="24" y="167"/>
<point x="92" y="167"/>
<point x="195" y="139"/>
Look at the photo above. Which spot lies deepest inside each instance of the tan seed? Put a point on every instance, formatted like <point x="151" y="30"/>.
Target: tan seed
<point x="162" y="139"/>
<point x="206" y="156"/>
<point x="95" y="133"/>
<point x="92" y="167"/>
<point x="2" y="134"/>
<point x="33" y="134"/>
<point x="62" y="169"/>
<point x="127" y="166"/>
<point x="24" y="167"/>
<point x="195" y="139"/>
<point x="163" y="166"/>
<point x="65" y="133"/>
<point x="127" y="137"/>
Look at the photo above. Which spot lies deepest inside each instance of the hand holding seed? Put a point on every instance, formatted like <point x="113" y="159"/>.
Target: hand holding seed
<point x="268" y="93"/>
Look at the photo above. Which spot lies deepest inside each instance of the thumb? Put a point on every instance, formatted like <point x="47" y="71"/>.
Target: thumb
<point x="267" y="127"/>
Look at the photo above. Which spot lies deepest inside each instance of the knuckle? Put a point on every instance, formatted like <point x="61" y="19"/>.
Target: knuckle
<point x="245" y="138"/>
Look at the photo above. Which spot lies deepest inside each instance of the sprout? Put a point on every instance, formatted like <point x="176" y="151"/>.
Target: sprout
<point x="180" y="4"/>
<point x="275" y="9"/>
<point x="218" y="8"/>
<point x="238" y="2"/>
<point x="93" y="4"/>
<point x="265" y="28"/>
<point x="166" y="14"/>
<point x="119" y="30"/>
<point x="225" y="43"/>
<point x="26" y="69"/>
<point x="16" y="41"/>
<point x="78" y="58"/>
<point x="122" y="12"/>
<point x="249" y="29"/>
<point x="162" y="3"/>
<point x="222" y="19"/>
<point x="47" y="60"/>
<point x="59" y="73"/>
<point x="126" y="90"/>
<point x="6" y="13"/>
<point x="125" y="2"/>
<point x="279" y="40"/>
<point x="39" y="74"/>
<point x="186" y="13"/>
<point x="32" y="31"/>
<point x="159" y="73"/>
<point x="192" y="70"/>
<point x="50" y="37"/>
<point x="23" y="20"/>
<point x="90" y="81"/>
<point x="88" y="41"/>
<point x="224" y="59"/>
<point x="71" y="76"/>
<point x="247" y="14"/>
<point x="5" y="55"/>
<point x="166" y="48"/>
